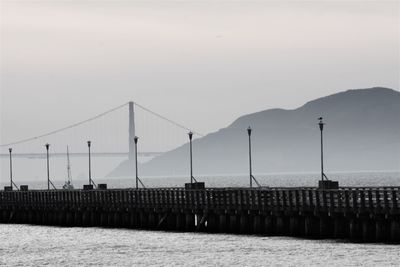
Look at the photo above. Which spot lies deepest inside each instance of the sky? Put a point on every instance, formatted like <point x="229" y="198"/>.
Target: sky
<point x="200" y="63"/>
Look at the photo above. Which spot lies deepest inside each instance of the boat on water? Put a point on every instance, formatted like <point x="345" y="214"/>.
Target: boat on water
<point x="68" y="183"/>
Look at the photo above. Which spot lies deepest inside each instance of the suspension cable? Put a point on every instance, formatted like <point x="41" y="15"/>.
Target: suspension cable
<point x="96" y="117"/>
<point x="166" y="119"/>
<point x="64" y="128"/>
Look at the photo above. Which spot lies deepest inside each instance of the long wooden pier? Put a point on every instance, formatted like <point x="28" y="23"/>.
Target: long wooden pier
<point x="359" y="214"/>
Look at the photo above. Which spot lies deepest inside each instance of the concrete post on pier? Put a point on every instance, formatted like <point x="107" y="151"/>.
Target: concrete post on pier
<point x="325" y="227"/>
<point x="233" y="223"/>
<point x="212" y="223"/>
<point x="368" y="230"/>
<point x="3" y="216"/>
<point x="311" y="227"/>
<point x="355" y="232"/>
<point x="340" y="227"/>
<point x="180" y="222"/>
<point x="269" y="225"/>
<point x="143" y="219"/>
<point x="15" y="218"/>
<point x="282" y="225"/>
<point x="395" y="230"/>
<point x="37" y="219"/>
<point x="117" y="222"/>
<point x="48" y="217"/>
<point x="85" y="218"/>
<point x="31" y="215"/>
<point x="133" y="221"/>
<point x="78" y="218"/>
<point x="190" y="222"/>
<point x="153" y="220"/>
<point x="171" y="222"/>
<point x="60" y="217"/>
<point x="94" y="218"/>
<point x="103" y="218"/>
<point x="244" y="224"/>
<point x="381" y="230"/>
<point x="257" y="226"/>
<point x="223" y="223"/>
<point x="296" y="226"/>
<point x="69" y="218"/>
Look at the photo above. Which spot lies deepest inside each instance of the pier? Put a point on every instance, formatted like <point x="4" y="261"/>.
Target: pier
<point x="355" y="214"/>
<point x="359" y="214"/>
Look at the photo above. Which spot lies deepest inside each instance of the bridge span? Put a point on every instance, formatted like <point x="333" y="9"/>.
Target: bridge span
<point x="360" y="214"/>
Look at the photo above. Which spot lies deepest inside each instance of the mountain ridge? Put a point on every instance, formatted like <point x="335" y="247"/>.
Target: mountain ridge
<point x="363" y="130"/>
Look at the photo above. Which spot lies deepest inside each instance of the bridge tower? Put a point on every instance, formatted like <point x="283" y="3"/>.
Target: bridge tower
<point x="131" y="131"/>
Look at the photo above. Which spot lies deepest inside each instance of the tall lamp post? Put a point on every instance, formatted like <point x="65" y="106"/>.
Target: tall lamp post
<point x="136" y="162"/>
<point x="191" y="158"/>
<point x="251" y="176"/>
<point x="324" y="183"/>
<point x="321" y="128"/>
<point x="250" y="165"/>
<point x="89" y="143"/>
<point x="48" y="168"/>
<point x="11" y="178"/>
<point x="136" y="139"/>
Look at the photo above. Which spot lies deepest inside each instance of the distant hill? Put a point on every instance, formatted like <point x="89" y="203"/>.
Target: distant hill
<point x="362" y="132"/>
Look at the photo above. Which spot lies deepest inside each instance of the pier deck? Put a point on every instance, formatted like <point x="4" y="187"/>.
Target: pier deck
<point x="365" y="214"/>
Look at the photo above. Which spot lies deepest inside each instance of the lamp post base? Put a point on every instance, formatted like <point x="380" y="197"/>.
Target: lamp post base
<point x="24" y="188"/>
<point x="87" y="187"/>
<point x="328" y="184"/>
<point x="102" y="186"/>
<point x="197" y="185"/>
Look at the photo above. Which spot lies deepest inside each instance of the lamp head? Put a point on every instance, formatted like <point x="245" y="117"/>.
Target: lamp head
<point x="190" y="135"/>
<point x="249" y="130"/>
<point x="89" y="143"/>
<point x="321" y="123"/>
<point x="10" y="150"/>
<point x="47" y="146"/>
<point x="136" y="139"/>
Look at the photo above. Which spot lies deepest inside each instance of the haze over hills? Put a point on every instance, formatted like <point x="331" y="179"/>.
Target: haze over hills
<point x="362" y="132"/>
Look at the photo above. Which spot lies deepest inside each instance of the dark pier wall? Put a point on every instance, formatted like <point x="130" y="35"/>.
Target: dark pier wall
<point x="357" y="214"/>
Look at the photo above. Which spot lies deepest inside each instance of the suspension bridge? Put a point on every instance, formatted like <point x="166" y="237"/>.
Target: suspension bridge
<point x="28" y="143"/>
<point x="111" y="133"/>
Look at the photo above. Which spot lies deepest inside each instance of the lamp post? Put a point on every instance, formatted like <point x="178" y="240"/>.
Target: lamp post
<point x="191" y="156"/>
<point x="321" y="128"/>
<point x="89" y="143"/>
<point x="250" y="165"/>
<point x="136" y="139"/>
<point x="11" y="178"/>
<point x="48" y="168"/>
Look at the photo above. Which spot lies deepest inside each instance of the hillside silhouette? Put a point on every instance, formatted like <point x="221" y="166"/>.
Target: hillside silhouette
<point x="362" y="133"/>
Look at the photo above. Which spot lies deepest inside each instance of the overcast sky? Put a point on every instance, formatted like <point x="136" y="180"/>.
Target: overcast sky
<point x="201" y="63"/>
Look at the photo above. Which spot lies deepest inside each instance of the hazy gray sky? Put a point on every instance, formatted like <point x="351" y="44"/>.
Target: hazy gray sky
<point x="202" y="63"/>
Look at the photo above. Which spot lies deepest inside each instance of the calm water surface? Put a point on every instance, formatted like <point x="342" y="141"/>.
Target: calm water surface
<point x="23" y="245"/>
